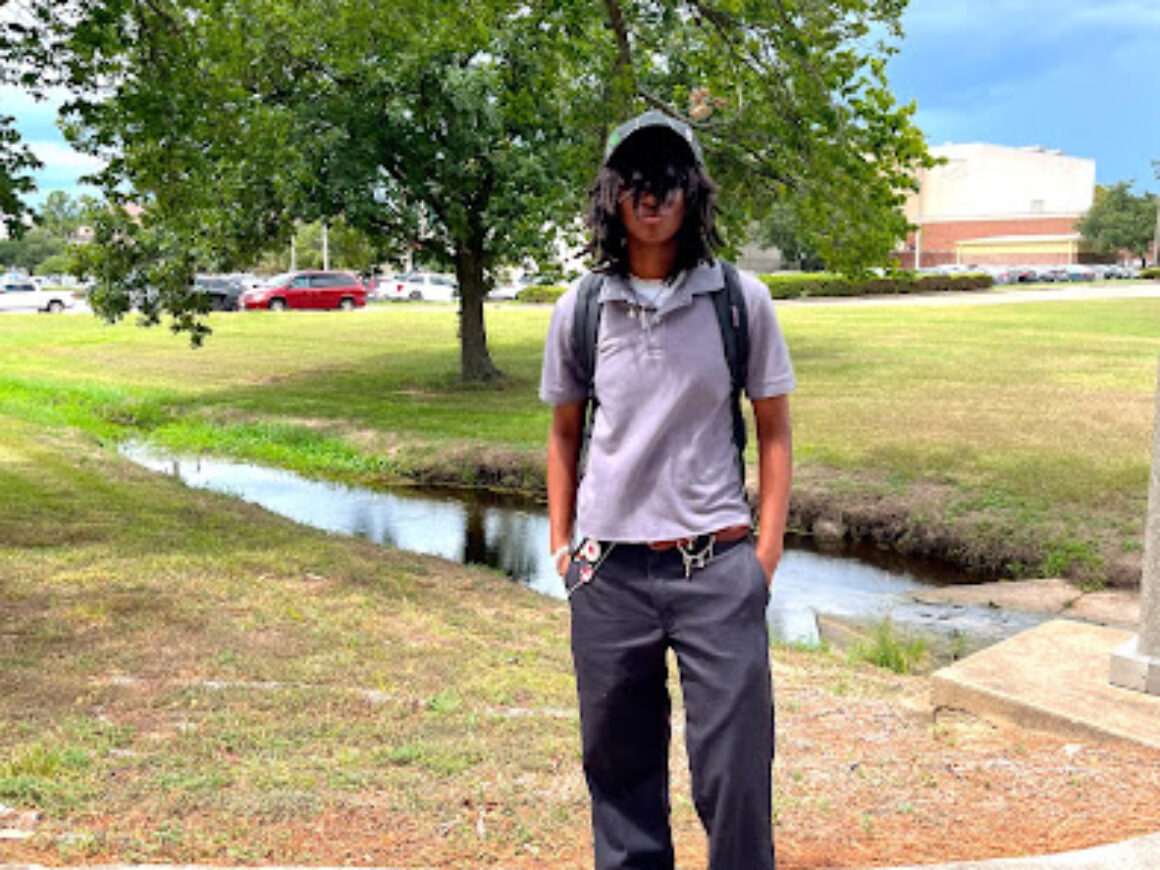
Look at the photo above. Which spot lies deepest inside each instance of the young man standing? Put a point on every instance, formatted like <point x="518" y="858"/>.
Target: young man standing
<point x="655" y="543"/>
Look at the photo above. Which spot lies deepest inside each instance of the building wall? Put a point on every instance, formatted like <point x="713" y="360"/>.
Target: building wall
<point x="981" y="181"/>
<point x="983" y="191"/>
<point x="943" y="236"/>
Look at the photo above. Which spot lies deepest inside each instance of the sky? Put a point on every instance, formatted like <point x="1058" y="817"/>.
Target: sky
<point x="1078" y="75"/>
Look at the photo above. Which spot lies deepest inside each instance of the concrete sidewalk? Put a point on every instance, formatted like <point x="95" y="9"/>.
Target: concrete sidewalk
<point x="1142" y="853"/>
<point x="1054" y="677"/>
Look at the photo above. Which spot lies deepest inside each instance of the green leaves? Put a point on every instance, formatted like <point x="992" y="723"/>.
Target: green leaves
<point x="471" y="130"/>
<point x="16" y="162"/>
<point x="1120" y="220"/>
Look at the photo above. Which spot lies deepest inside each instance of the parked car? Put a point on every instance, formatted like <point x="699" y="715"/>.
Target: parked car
<point x="224" y="293"/>
<point x="505" y="291"/>
<point x="1002" y="274"/>
<point x="384" y="287"/>
<point x="20" y="294"/>
<point x="1079" y="272"/>
<point x="421" y="286"/>
<point x="310" y="289"/>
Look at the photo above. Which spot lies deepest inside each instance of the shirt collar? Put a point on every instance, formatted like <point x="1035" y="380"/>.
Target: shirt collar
<point x="702" y="278"/>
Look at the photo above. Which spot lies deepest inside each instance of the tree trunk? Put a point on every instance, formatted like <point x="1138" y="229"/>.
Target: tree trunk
<point x="474" y="360"/>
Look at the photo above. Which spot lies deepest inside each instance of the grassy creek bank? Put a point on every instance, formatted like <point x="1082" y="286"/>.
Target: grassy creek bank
<point x="1007" y="440"/>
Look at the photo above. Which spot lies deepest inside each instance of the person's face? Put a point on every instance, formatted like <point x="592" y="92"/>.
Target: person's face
<point x="652" y="210"/>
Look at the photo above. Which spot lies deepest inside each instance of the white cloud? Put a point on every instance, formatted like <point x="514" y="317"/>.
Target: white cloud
<point x="59" y="159"/>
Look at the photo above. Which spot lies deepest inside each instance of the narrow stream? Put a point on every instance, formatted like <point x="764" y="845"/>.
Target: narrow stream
<point x="512" y="535"/>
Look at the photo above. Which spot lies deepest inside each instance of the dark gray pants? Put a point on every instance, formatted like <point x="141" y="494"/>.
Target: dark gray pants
<point x="638" y="604"/>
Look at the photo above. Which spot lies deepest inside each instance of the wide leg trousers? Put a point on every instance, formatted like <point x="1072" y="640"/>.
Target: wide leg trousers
<point x="635" y="607"/>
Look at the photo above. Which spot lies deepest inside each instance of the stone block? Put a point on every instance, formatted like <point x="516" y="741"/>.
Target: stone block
<point x="1131" y="669"/>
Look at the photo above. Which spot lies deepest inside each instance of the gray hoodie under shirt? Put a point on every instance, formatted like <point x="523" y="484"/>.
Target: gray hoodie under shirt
<point x="661" y="463"/>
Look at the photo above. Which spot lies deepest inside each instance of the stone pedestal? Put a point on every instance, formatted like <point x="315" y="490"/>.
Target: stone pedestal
<point x="1133" y="670"/>
<point x="1136" y="665"/>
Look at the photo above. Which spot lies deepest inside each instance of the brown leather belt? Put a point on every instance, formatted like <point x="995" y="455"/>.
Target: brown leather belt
<point x="722" y="536"/>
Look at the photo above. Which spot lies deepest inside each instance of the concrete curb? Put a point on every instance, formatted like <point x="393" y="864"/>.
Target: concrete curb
<point x="1142" y="853"/>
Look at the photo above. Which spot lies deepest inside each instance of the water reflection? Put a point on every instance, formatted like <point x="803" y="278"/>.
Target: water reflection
<point x="513" y="536"/>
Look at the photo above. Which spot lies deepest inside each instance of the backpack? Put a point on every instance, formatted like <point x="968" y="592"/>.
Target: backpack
<point x="732" y="320"/>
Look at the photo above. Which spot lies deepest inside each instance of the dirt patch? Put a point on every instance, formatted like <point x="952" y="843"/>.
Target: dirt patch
<point x="483" y="467"/>
<point x="868" y="778"/>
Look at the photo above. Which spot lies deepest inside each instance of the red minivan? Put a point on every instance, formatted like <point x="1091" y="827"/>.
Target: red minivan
<point x="311" y="289"/>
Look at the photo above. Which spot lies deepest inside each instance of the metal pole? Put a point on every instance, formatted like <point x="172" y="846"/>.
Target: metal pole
<point x="325" y="246"/>
<point x="1156" y="234"/>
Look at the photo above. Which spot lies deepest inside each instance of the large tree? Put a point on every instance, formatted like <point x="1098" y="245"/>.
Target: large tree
<point x="468" y="128"/>
<point x="1120" y="220"/>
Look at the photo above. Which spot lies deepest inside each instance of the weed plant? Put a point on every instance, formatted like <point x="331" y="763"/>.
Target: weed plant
<point x="886" y="648"/>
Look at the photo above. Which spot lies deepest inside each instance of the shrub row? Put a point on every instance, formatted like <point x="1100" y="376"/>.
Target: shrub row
<point x="805" y="284"/>
<point x="541" y="294"/>
<point x="799" y="285"/>
<point x="1153" y="274"/>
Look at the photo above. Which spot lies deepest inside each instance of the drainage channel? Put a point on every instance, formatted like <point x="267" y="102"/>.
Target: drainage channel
<point x="511" y="534"/>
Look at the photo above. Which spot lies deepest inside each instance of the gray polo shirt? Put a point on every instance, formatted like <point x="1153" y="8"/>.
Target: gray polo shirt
<point x="661" y="462"/>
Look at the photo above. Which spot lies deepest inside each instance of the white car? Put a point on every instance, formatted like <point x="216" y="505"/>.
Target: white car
<point x="20" y="294"/>
<point x="419" y="286"/>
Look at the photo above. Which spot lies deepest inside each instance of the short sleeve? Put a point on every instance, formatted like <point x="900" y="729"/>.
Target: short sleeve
<point x="770" y="369"/>
<point x="560" y="381"/>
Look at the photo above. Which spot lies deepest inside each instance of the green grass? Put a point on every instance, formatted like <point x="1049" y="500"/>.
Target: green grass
<point x="183" y="676"/>
<point x="885" y="647"/>
<point x="989" y="395"/>
<point x="1027" y="422"/>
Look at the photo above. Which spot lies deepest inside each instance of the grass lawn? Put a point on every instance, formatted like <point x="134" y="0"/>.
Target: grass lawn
<point x="186" y="678"/>
<point x="1010" y="438"/>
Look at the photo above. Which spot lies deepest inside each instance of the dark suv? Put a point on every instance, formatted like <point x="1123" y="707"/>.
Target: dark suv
<point x="223" y="293"/>
<point x="312" y="289"/>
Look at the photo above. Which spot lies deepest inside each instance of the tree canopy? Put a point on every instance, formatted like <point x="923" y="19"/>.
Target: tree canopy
<point x="1120" y="220"/>
<point x="41" y="248"/>
<point x="470" y="129"/>
<point x="17" y="161"/>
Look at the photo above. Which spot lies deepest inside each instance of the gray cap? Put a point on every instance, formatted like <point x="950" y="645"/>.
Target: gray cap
<point x="653" y="119"/>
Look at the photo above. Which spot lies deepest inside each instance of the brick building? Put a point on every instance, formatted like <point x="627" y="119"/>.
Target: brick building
<point x="990" y="204"/>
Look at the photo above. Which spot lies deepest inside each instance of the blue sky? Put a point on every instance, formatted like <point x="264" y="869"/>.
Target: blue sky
<point x="1080" y="75"/>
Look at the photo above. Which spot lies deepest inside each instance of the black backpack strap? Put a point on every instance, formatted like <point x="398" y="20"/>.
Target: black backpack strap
<point x="585" y="333"/>
<point x="733" y="321"/>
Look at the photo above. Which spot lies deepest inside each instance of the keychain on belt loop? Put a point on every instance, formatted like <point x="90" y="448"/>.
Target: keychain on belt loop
<point x="695" y="559"/>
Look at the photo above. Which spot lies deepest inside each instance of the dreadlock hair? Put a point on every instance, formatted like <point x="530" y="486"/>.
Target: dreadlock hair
<point x="651" y="162"/>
